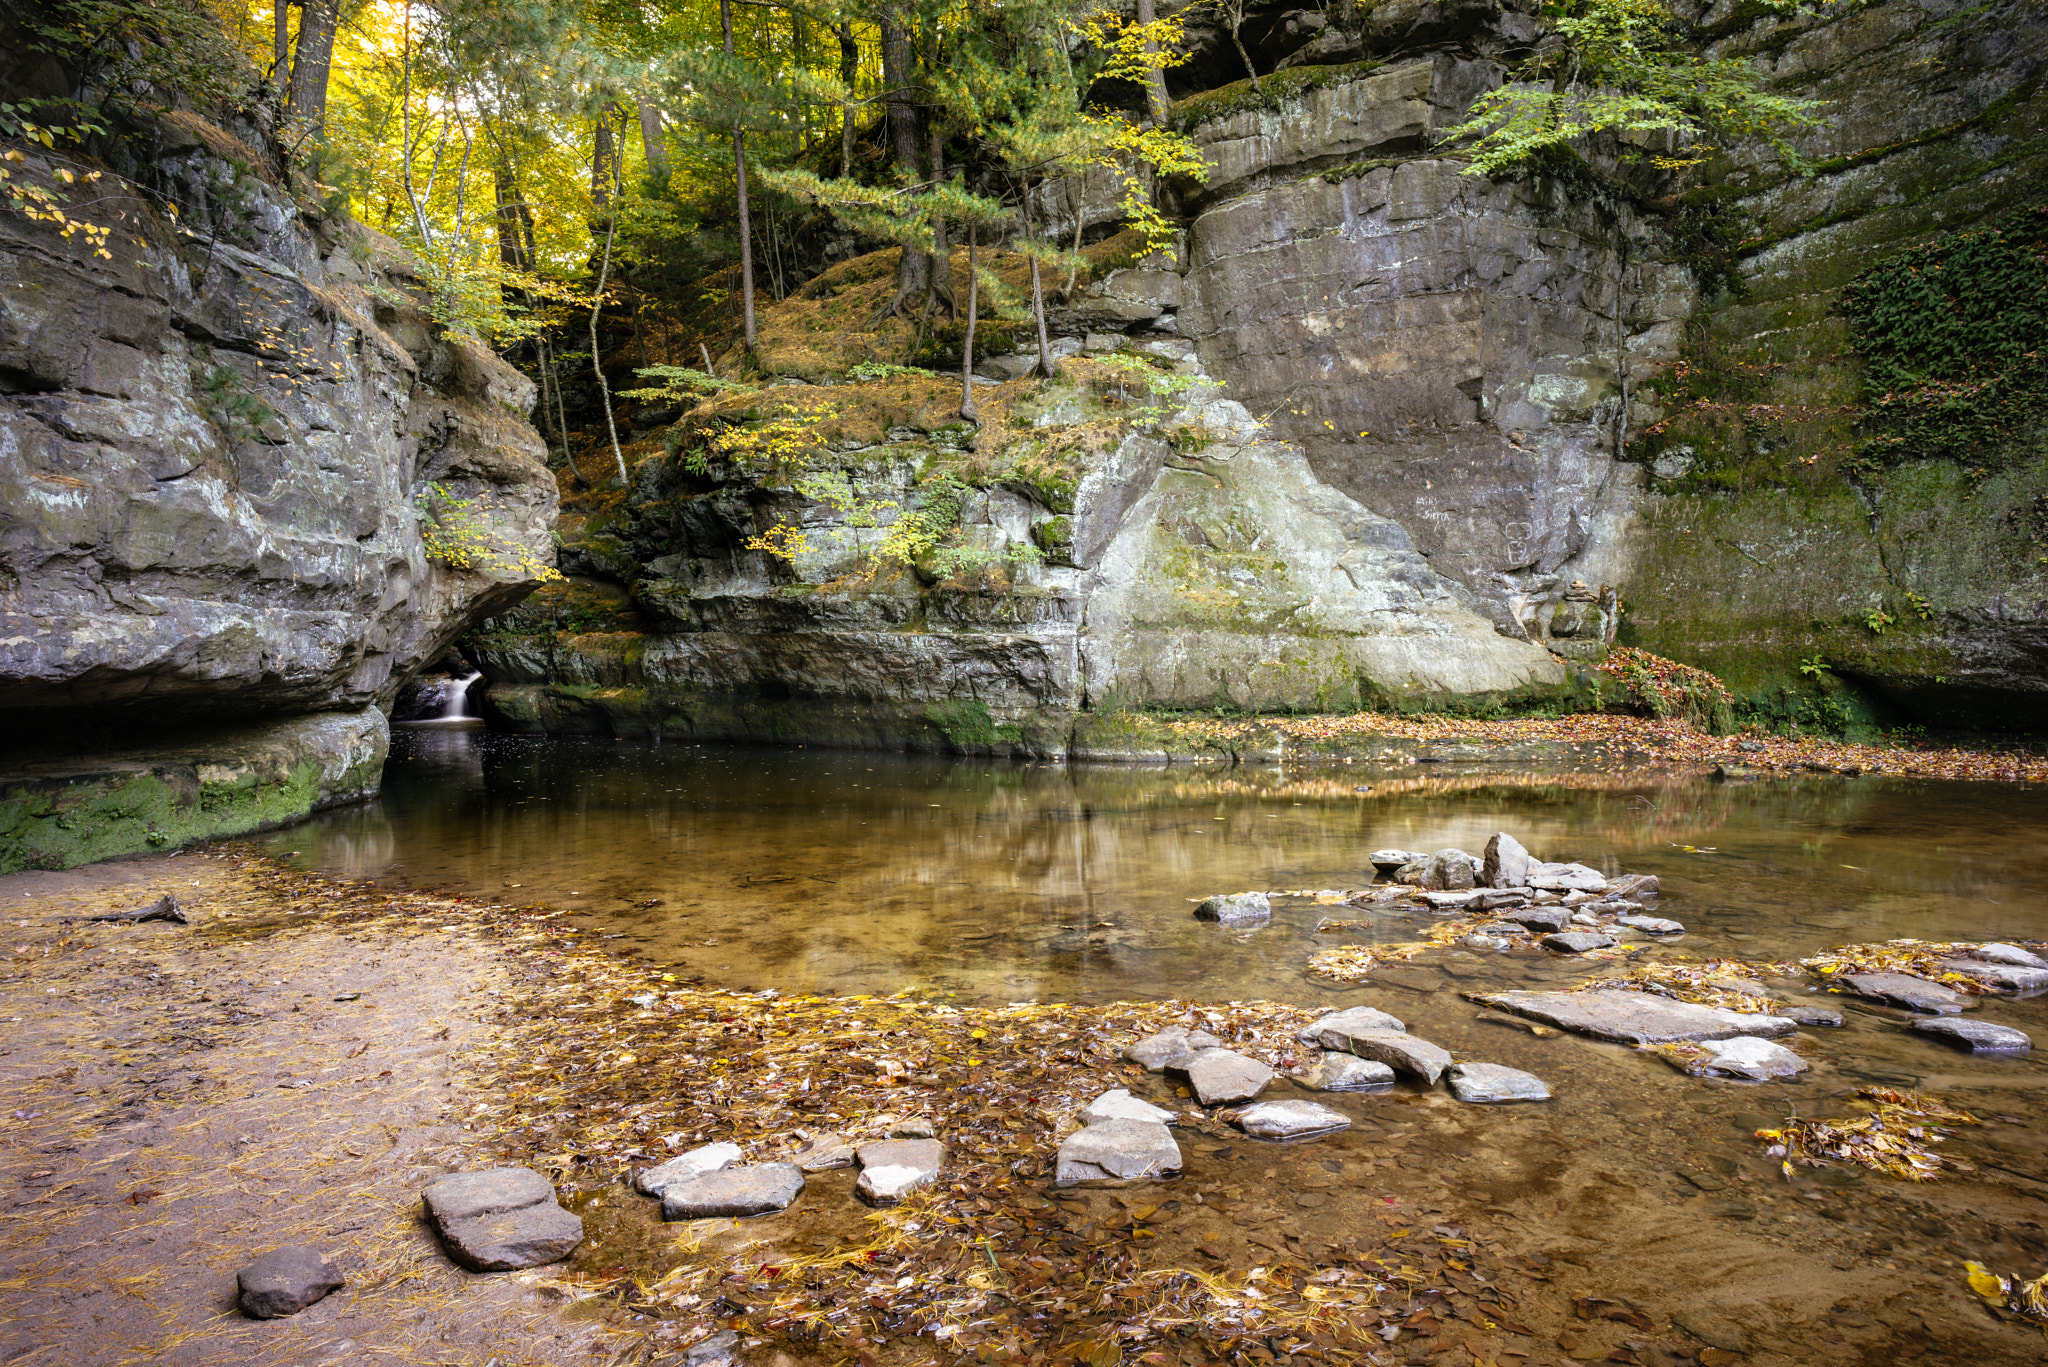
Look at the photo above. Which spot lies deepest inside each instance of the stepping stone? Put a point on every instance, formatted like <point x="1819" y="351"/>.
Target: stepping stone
<point x="1608" y="906"/>
<point x="1902" y="989"/>
<point x="1120" y="1150"/>
<point x="688" y="1167"/>
<point x="285" y="1281"/>
<point x="1748" y="1058"/>
<point x="501" y="1219"/>
<point x="1170" y="1048"/>
<point x="1236" y="909"/>
<point x="1450" y="901"/>
<point x="1633" y="887"/>
<point x="2008" y="978"/>
<point x="1635" y="1017"/>
<point x="1978" y="1036"/>
<point x="1402" y="1052"/>
<point x="1334" y="1072"/>
<point x="1493" y="899"/>
<point x="1334" y="1031"/>
<point x="1578" y="941"/>
<point x="1809" y="1014"/>
<point x="1118" y="1104"/>
<point x="754" y="1190"/>
<point x="1290" y="1119"/>
<point x="1386" y="863"/>
<point x="1507" y="863"/>
<point x="824" y="1152"/>
<point x="1540" y="918"/>
<point x="1567" y="878"/>
<point x="1488" y="1083"/>
<point x="893" y="1168"/>
<point x="1220" y="1076"/>
<point x="1650" y="925"/>
<point x="2000" y="953"/>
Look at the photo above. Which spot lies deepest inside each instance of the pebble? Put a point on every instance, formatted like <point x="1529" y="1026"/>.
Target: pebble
<point x="1635" y="1017"/>
<point x="1232" y="909"/>
<point x="754" y="1190"/>
<point x="1489" y="1083"/>
<point x="1118" y="1149"/>
<point x="1402" y="1052"/>
<point x="1578" y="941"/>
<point x="1902" y="989"/>
<point x="893" y="1168"/>
<point x="1978" y="1036"/>
<point x="1221" y="1076"/>
<point x="1118" y="1104"/>
<point x="687" y="1167"/>
<point x="501" y="1219"/>
<point x="285" y="1281"/>
<point x="1335" y="1072"/>
<point x="1650" y="925"/>
<point x="1290" y="1119"/>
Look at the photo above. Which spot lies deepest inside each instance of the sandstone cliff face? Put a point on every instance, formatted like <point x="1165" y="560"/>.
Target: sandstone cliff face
<point x="214" y="449"/>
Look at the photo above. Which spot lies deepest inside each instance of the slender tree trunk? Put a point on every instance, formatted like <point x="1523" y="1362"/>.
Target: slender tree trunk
<point x="940" y="286"/>
<point x="913" y="270"/>
<point x="849" y="72"/>
<point x="739" y="170"/>
<point x="1156" y="103"/>
<point x="280" y="44"/>
<point x="603" y="152"/>
<point x="307" y="97"/>
<point x="547" y="370"/>
<point x="967" y="406"/>
<point x="653" y="141"/>
<point x="511" y="250"/>
<point x="1233" y="14"/>
<point x="1045" y="365"/>
<point x="604" y="390"/>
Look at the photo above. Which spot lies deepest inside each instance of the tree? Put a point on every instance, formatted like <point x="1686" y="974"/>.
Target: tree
<point x="306" y="97"/>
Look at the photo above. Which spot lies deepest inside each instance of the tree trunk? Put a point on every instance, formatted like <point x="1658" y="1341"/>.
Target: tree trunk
<point x="940" y="286"/>
<point x="914" y="270"/>
<point x="1156" y="103"/>
<point x="604" y="389"/>
<point x="1233" y="14"/>
<point x="739" y="170"/>
<point x="602" y="154"/>
<point x="653" y="142"/>
<point x="1045" y="365"/>
<point x="307" y="98"/>
<point x="511" y="246"/>
<point x="849" y="72"/>
<point x="280" y="44"/>
<point x="968" y="410"/>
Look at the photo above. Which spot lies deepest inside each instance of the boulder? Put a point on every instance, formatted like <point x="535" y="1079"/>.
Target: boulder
<point x="1117" y="1150"/>
<point x="893" y="1168"/>
<point x="1903" y="989"/>
<point x="501" y="1219"/>
<point x="1578" y="941"/>
<point x="1232" y="909"/>
<point x="285" y="1281"/>
<point x="1335" y="1072"/>
<point x="687" y="1167"/>
<point x="754" y="1190"/>
<point x="1635" y="1017"/>
<point x="1290" y="1119"/>
<point x="2011" y="979"/>
<point x="1488" y="1083"/>
<point x="1507" y="864"/>
<point x="1977" y="1036"/>
<point x="1402" y="1052"/>
<point x="1335" y="1030"/>
<point x="1118" y="1104"/>
<point x="1219" y="1076"/>
<point x="1450" y="871"/>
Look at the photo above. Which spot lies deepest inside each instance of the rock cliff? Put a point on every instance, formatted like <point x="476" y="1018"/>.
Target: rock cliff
<point x="235" y="454"/>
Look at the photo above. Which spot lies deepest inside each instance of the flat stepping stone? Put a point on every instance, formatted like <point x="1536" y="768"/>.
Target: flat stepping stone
<point x="688" y="1167"/>
<point x="285" y="1281"/>
<point x="1608" y="906"/>
<point x="1998" y="952"/>
<point x="1978" y="1036"/>
<point x="1487" y="1084"/>
<point x="1402" y="1052"/>
<point x="1451" y="901"/>
<point x="1386" y="863"/>
<point x="1170" y="1048"/>
<point x="1493" y="899"/>
<point x="1747" y="1058"/>
<point x="501" y="1219"/>
<point x="1334" y="1031"/>
<point x="1234" y="909"/>
<point x="1633" y="887"/>
<point x="1567" y="878"/>
<point x="1651" y="925"/>
<point x="1578" y="941"/>
<point x="824" y="1152"/>
<point x="1290" y="1119"/>
<point x="1119" y="1104"/>
<point x="1117" y="1150"/>
<point x="1810" y="1014"/>
<point x="1540" y="918"/>
<point x="1636" y="1017"/>
<point x="1219" y="1077"/>
<point x="1335" y="1072"/>
<point x="2014" y="979"/>
<point x="1902" y="989"/>
<point x="893" y="1168"/>
<point x="739" y="1192"/>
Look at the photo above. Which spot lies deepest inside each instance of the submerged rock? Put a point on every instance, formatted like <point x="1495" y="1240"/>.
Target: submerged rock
<point x="1117" y="1149"/>
<point x="1290" y="1119"/>
<point x="2012" y="979"/>
<point x="1507" y="863"/>
<point x="285" y="1281"/>
<point x="1745" y="1057"/>
<point x="823" y="1152"/>
<point x="754" y="1190"/>
<point x="893" y="1168"/>
<point x="1636" y="1017"/>
<point x="1633" y="887"/>
<point x="1219" y="1076"/>
<point x="1343" y="1072"/>
<point x="1578" y="941"/>
<point x="1488" y="1083"/>
<point x="1903" y="989"/>
<point x="1237" y="908"/>
<point x="1809" y="1014"/>
<point x="1402" y="1052"/>
<point x="1118" y="1104"/>
<point x="687" y="1167"/>
<point x="1334" y="1031"/>
<point x="1170" y="1048"/>
<point x="501" y="1219"/>
<point x="1998" y="952"/>
<point x="1978" y="1036"/>
<point x="1650" y="925"/>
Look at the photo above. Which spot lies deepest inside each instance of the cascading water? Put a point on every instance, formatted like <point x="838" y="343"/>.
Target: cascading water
<point x="458" y="697"/>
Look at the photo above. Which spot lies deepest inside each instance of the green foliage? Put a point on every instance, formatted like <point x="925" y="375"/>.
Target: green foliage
<point x="1813" y="667"/>
<point x="865" y="372"/>
<point x="1954" y="340"/>
<point x="1666" y="689"/>
<point x="456" y="533"/>
<point x="679" y="383"/>
<point x="133" y="55"/>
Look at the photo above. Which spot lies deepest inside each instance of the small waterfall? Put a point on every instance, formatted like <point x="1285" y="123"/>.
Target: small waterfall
<point x="457" y="696"/>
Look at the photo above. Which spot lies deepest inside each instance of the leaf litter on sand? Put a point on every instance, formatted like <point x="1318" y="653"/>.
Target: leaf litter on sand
<point x="2010" y="1295"/>
<point x="1715" y="982"/>
<point x="1893" y="1138"/>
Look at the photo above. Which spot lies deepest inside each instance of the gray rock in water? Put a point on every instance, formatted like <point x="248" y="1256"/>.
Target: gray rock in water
<point x="1402" y="1052"/>
<point x="1567" y="878"/>
<point x="1450" y="871"/>
<point x="1540" y="918"/>
<point x="501" y="1219"/>
<point x="1119" y="1150"/>
<point x="893" y="1168"/>
<point x="722" y="1349"/>
<point x="687" y="1167"/>
<point x="2011" y="979"/>
<point x="1633" y="887"/>
<point x="1809" y="1014"/>
<point x="1451" y="901"/>
<point x="1234" y="909"/>
<point x="164" y="908"/>
<point x="1411" y="873"/>
<point x="1220" y="1076"/>
<point x="1748" y="1058"/>
<point x="1335" y="1072"/>
<point x="1578" y="941"/>
<point x="1334" y="1031"/>
<point x="1978" y="1036"/>
<point x="1903" y="989"/>
<point x="1492" y="899"/>
<point x="1488" y="1083"/>
<point x="1636" y="1017"/>
<point x="1170" y="1048"/>
<point x="1507" y="864"/>
<point x="823" y="1152"/>
<point x="1290" y="1119"/>
<point x="1118" y="1104"/>
<point x="754" y="1190"/>
<point x="1609" y="906"/>
<point x="285" y="1281"/>
<point x="1998" y="952"/>
<point x="1386" y="863"/>
<point x="1650" y="925"/>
